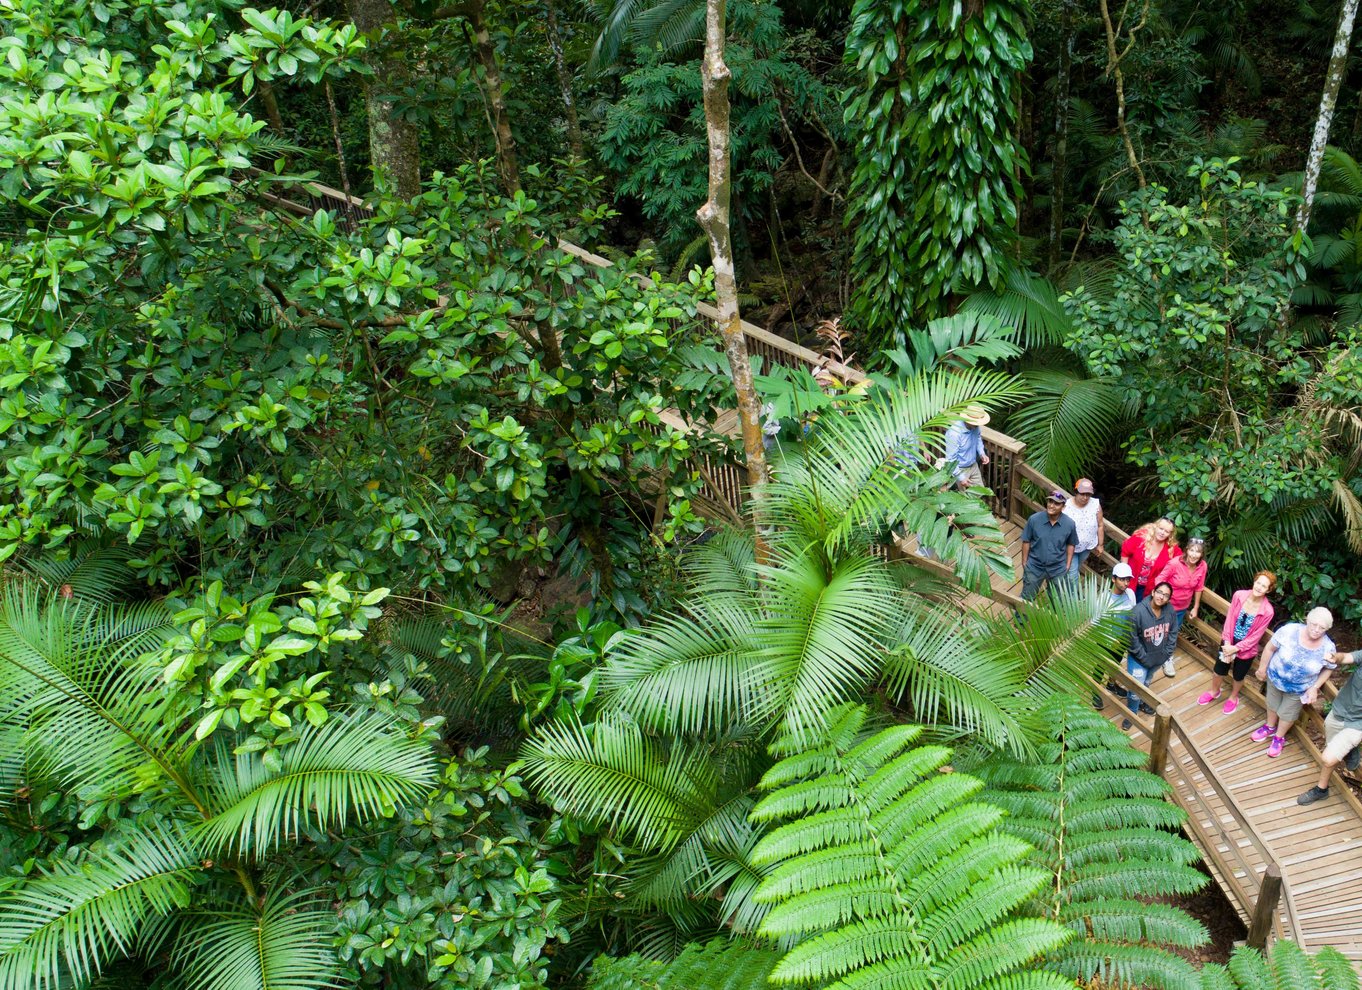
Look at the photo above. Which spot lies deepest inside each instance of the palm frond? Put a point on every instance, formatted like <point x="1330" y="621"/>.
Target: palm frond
<point x="725" y="563"/>
<point x="358" y="767"/>
<point x="1028" y="303"/>
<point x="1069" y="420"/>
<point x="692" y="673"/>
<point x="610" y="773"/>
<point x="77" y="679"/>
<point x="91" y="910"/>
<point x="287" y="945"/>
<point x="89" y="570"/>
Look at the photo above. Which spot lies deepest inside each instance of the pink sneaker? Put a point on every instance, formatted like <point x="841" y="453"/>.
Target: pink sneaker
<point x="1276" y="748"/>
<point x="1261" y="733"/>
<point x="1208" y="697"/>
<point x="1230" y="706"/>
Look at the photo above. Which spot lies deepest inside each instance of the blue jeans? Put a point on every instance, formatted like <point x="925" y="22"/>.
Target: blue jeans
<point x="1179" y="616"/>
<point x="1079" y="557"/>
<point x="1141" y="674"/>
<point x="1034" y="577"/>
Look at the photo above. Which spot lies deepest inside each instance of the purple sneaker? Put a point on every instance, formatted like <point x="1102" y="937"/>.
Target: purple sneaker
<point x="1261" y="733"/>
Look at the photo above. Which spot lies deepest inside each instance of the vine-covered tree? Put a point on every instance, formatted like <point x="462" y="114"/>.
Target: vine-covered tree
<point x="933" y="199"/>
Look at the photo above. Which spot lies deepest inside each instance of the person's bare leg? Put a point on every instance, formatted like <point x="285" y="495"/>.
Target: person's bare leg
<point x="1284" y="728"/>
<point x="1234" y="690"/>
<point x="1326" y="771"/>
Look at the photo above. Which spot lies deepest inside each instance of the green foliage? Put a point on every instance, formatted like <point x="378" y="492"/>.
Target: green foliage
<point x="1103" y="829"/>
<point x="460" y="891"/>
<point x="655" y="139"/>
<point x="933" y="196"/>
<point x="885" y="866"/>
<point x="717" y="965"/>
<point x="172" y="838"/>
<point x="1193" y="331"/>
<point x="1286" y="965"/>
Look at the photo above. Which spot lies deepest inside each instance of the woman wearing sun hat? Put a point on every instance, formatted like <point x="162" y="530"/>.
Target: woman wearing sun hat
<point x="965" y="447"/>
<point x="1086" y="512"/>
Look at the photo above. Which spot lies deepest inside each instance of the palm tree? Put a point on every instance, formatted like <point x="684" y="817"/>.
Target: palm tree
<point x="692" y="700"/>
<point x="195" y="887"/>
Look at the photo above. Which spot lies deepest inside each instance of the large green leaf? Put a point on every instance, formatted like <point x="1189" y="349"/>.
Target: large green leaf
<point x="287" y="945"/>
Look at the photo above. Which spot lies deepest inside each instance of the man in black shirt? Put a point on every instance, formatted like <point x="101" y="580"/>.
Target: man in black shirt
<point x="1047" y="545"/>
<point x="1342" y="731"/>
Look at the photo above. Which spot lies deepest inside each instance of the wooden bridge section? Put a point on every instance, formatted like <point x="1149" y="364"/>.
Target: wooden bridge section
<point x="1291" y="871"/>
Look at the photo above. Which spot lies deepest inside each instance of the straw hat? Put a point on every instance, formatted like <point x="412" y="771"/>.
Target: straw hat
<point x="975" y="416"/>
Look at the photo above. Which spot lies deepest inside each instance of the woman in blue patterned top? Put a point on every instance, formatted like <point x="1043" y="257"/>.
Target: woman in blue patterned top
<point x="1296" y="663"/>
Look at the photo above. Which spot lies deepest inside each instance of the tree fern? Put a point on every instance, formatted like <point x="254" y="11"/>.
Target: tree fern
<point x="718" y="965"/>
<point x="1286" y="967"/>
<point x="888" y="874"/>
<point x="1102" y="828"/>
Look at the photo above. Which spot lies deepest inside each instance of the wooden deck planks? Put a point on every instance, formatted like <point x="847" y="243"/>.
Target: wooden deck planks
<point x="1318" y="847"/>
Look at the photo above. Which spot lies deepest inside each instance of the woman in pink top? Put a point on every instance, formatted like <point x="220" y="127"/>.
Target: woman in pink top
<point x="1187" y="576"/>
<point x="1248" y="618"/>
<point x="1148" y="550"/>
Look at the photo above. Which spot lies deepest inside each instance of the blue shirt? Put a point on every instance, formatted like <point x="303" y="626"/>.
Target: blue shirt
<point x="964" y="446"/>
<point x="1294" y="668"/>
<point x="1048" y="541"/>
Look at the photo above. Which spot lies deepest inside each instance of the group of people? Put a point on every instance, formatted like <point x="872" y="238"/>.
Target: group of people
<point x="1160" y="584"/>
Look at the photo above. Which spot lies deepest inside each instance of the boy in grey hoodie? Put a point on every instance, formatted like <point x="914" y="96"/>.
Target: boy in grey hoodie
<point x="1151" y="641"/>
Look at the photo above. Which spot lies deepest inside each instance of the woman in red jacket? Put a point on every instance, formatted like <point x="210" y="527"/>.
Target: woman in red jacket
<point x="1248" y="618"/>
<point x="1148" y="552"/>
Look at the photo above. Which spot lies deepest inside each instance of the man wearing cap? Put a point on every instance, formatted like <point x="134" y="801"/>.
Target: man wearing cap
<point x="1086" y="512"/>
<point x="1123" y="603"/>
<point x="965" y="447"/>
<point x="1047" y="546"/>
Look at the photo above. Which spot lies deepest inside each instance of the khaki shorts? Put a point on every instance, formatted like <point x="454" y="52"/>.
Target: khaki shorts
<point x="1339" y="740"/>
<point x="971" y="477"/>
<point x="1287" y="706"/>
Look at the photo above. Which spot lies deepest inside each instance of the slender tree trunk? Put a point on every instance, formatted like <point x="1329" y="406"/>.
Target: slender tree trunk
<point x="714" y="218"/>
<point x="394" y="143"/>
<point x="1333" y="80"/>
<point x="1114" y="59"/>
<point x="507" y="162"/>
<point x="336" y="136"/>
<point x="564" y="81"/>
<point x="267" y="97"/>
<point x="1061" y="154"/>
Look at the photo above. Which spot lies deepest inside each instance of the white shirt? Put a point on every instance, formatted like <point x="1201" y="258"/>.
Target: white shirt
<point x="1085" y="521"/>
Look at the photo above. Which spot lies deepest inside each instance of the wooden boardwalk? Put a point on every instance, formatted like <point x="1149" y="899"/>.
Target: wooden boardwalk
<point x="1241" y="805"/>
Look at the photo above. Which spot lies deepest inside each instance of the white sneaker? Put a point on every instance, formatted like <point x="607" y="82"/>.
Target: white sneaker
<point x="1168" y="669"/>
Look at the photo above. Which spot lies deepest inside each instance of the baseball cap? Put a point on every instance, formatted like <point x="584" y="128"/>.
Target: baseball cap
<point x="1122" y="570"/>
<point x="1083" y="486"/>
<point x="1058" y="496"/>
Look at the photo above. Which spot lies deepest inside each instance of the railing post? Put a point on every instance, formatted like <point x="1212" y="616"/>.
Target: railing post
<point x="1158" y="746"/>
<point x="1010" y="506"/>
<point x="1265" y="909"/>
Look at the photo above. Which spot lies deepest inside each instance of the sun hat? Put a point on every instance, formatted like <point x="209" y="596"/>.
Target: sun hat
<point x="975" y="416"/>
<point x="1122" y="570"/>
<point x="1083" y="486"/>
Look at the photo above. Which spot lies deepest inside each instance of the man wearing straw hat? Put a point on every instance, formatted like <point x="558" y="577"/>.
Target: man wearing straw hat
<point x="965" y="447"/>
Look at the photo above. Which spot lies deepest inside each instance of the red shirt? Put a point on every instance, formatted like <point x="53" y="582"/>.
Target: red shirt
<point x="1146" y="571"/>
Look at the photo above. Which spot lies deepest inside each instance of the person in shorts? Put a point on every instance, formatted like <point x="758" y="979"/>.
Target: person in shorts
<point x="1342" y="731"/>
<point x="1296" y="662"/>
<point x="1249" y="615"/>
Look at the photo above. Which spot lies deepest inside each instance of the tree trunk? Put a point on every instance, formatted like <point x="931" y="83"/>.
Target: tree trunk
<point x="394" y="143"/>
<point x="271" y="104"/>
<point x="507" y="163"/>
<point x="1061" y="155"/>
<point x="564" y="81"/>
<point x="1114" y="58"/>
<point x="714" y="218"/>
<point x="1333" y="80"/>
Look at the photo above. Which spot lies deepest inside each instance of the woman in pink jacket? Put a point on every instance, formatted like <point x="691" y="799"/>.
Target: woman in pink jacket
<point x="1249" y="616"/>
<point x="1187" y="577"/>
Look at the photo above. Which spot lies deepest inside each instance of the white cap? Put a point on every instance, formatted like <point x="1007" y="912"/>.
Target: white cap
<point x="1122" y="570"/>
